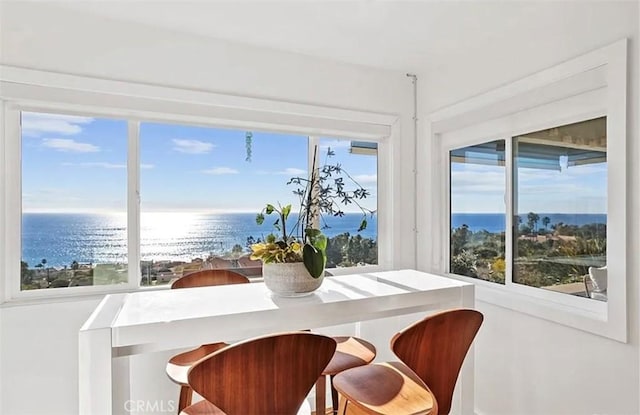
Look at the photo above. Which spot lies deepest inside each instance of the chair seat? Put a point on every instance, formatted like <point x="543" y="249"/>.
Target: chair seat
<point x="351" y="352"/>
<point x="179" y="365"/>
<point x="202" y="408"/>
<point x="207" y="408"/>
<point x="389" y="388"/>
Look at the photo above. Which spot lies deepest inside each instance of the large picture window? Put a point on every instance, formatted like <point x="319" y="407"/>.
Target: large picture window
<point x="199" y="189"/>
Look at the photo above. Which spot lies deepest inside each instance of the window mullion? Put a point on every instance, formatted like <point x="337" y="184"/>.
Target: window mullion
<point x="511" y="210"/>
<point x="13" y="200"/>
<point x="133" y="203"/>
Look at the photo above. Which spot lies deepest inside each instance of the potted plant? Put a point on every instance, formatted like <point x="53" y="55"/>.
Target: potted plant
<point x="294" y="260"/>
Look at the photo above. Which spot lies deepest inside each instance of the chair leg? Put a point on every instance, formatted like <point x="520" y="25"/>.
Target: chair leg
<point x="185" y="398"/>
<point x="334" y="396"/>
<point x="342" y="407"/>
<point x="321" y="395"/>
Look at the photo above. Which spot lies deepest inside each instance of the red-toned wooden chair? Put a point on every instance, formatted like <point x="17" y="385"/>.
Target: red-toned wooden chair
<point x="179" y="365"/>
<point x="432" y="351"/>
<point x="263" y="376"/>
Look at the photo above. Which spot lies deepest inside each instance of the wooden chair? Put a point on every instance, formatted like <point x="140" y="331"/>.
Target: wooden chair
<point x="209" y="277"/>
<point x="350" y="352"/>
<point x="432" y="351"/>
<point x="264" y="376"/>
<point x="179" y="365"/>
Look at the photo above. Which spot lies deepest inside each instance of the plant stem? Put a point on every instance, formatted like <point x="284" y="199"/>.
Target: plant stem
<point x="310" y="190"/>
<point x="284" y="225"/>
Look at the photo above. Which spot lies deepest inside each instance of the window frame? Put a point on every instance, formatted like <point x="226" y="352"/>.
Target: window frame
<point x="590" y="86"/>
<point x="39" y="91"/>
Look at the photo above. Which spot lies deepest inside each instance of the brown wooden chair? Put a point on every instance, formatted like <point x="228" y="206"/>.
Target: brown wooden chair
<point x="263" y="376"/>
<point x="351" y="352"/>
<point x="209" y="277"/>
<point x="179" y="365"/>
<point x="432" y="351"/>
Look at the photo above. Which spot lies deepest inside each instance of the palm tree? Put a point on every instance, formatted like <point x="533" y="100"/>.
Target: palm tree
<point x="532" y="220"/>
<point x="546" y="221"/>
<point x="44" y="264"/>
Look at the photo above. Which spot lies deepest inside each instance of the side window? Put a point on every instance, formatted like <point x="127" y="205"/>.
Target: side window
<point x="560" y="203"/>
<point x="558" y="210"/>
<point x="477" y="214"/>
<point x="74" y="184"/>
<point x="352" y="229"/>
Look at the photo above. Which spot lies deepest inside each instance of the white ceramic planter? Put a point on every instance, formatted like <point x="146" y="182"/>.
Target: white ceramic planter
<point x="290" y="279"/>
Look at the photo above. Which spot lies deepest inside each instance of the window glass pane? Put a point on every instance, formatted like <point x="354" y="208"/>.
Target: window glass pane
<point x="200" y="195"/>
<point x="478" y="211"/>
<point x="352" y="228"/>
<point x="74" y="181"/>
<point x="560" y="196"/>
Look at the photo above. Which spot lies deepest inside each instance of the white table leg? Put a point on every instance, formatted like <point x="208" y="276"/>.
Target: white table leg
<point x="95" y="372"/>
<point x="97" y="369"/>
<point x="467" y="374"/>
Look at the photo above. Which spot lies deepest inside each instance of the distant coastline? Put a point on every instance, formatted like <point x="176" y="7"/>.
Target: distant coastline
<point x="495" y="222"/>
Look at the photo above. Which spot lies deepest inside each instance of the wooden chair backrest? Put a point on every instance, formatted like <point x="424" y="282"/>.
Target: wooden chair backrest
<point x="209" y="277"/>
<point x="264" y="376"/>
<point x="435" y="347"/>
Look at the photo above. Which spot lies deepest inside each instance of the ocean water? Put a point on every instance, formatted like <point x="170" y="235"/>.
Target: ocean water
<point x="62" y="238"/>
<point x="496" y="222"/>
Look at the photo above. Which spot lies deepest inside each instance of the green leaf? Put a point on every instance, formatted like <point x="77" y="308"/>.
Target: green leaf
<point x="314" y="260"/>
<point x="276" y="224"/>
<point x="269" y="209"/>
<point x="363" y="225"/>
<point x="285" y="211"/>
<point x="320" y="242"/>
<point x="259" y="218"/>
<point x="312" y="232"/>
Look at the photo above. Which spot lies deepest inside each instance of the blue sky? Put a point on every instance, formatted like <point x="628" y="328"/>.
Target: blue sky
<point x="480" y="188"/>
<point x="73" y="164"/>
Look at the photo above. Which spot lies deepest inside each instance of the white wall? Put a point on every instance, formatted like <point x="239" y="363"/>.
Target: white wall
<point x="526" y="365"/>
<point x="39" y="342"/>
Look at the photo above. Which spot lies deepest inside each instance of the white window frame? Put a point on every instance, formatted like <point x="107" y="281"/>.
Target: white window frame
<point x="587" y="87"/>
<point x="41" y="91"/>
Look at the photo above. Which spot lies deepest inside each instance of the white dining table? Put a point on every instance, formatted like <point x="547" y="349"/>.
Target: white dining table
<point x="128" y="324"/>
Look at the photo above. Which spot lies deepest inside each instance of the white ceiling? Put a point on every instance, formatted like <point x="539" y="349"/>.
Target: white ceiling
<point x="399" y="35"/>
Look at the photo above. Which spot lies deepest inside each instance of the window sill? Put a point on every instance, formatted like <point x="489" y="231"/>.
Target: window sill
<point x="593" y="318"/>
<point x="77" y="294"/>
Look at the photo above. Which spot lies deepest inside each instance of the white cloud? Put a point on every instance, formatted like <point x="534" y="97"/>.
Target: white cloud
<point x="69" y="145"/>
<point x="192" y="146"/>
<point x="292" y="171"/>
<point x="101" y="164"/>
<point x="220" y="171"/>
<point x="477" y="180"/>
<point x="366" y="178"/>
<point x="335" y="144"/>
<point x="106" y="165"/>
<point x="37" y="124"/>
